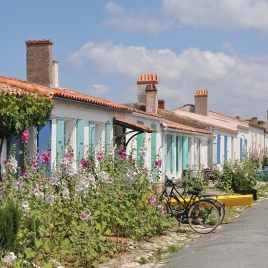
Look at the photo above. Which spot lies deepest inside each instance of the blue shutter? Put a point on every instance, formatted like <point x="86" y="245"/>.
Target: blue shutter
<point x="178" y="153"/>
<point x="79" y="138"/>
<point x="246" y="145"/>
<point x="172" y="155"/>
<point x="225" y="147"/>
<point x="184" y="152"/>
<point x="241" y="149"/>
<point x="44" y="139"/>
<point x="218" y="149"/>
<point x="60" y="138"/>
<point x="92" y="137"/>
<point x="165" y="152"/>
<point x="107" y="135"/>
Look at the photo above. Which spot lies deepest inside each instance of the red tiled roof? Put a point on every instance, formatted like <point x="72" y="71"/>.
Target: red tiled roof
<point x="178" y="126"/>
<point x="19" y="86"/>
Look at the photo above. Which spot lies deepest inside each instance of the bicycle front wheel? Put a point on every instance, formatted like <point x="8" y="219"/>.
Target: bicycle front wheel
<point x="220" y="207"/>
<point x="203" y="216"/>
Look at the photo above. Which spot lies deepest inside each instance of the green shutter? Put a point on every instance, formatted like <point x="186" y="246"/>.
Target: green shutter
<point x="184" y="152"/>
<point x="172" y="154"/>
<point x="107" y="135"/>
<point x="60" y="138"/>
<point x="79" y="138"/>
<point x="140" y="138"/>
<point x="178" y="153"/>
<point x="92" y="136"/>
<point x="165" y="152"/>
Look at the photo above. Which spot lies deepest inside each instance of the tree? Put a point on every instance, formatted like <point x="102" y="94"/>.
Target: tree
<point x="20" y="111"/>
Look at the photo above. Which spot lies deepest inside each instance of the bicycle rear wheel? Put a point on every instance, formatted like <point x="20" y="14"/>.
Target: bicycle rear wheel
<point x="203" y="216"/>
<point x="220" y="206"/>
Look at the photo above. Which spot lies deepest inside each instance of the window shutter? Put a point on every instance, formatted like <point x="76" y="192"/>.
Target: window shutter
<point x="178" y="153"/>
<point x="172" y="154"/>
<point x="44" y="139"/>
<point x="153" y="147"/>
<point x="185" y="141"/>
<point x="241" y="149"/>
<point x="225" y="147"/>
<point x="79" y="138"/>
<point x="140" y="138"/>
<point x="165" y="151"/>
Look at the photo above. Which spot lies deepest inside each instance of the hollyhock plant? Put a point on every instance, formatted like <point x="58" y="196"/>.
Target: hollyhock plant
<point x="100" y="156"/>
<point x="122" y="154"/>
<point x="25" y="136"/>
<point x="45" y="157"/>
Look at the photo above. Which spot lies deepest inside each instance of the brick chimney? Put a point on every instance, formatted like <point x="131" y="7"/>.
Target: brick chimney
<point x="143" y="81"/>
<point x="254" y="120"/>
<point x="39" y="62"/>
<point x="151" y="99"/>
<point x="161" y="104"/>
<point x="201" y="101"/>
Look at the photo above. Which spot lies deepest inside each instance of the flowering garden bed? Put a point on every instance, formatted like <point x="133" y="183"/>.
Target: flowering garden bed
<point x="66" y="214"/>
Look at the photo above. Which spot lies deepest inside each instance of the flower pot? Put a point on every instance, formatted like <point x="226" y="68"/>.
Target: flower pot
<point x="158" y="187"/>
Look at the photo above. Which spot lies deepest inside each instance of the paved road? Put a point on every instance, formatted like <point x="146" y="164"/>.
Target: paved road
<point x="242" y="243"/>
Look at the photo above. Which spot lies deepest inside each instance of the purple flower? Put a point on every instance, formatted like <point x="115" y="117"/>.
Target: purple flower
<point x="25" y="136"/>
<point x="45" y="157"/>
<point x="152" y="200"/>
<point x="100" y="156"/>
<point x="122" y="154"/>
<point x="84" y="163"/>
<point x="158" y="164"/>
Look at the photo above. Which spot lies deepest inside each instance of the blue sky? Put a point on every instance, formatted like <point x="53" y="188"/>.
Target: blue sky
<point x="102" y="47"/>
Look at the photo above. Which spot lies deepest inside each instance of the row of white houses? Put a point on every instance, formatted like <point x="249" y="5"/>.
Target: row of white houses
<point x="189" y="136"/>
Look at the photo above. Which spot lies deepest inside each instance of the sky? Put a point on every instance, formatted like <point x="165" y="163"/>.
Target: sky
<point x="103" y="46"/>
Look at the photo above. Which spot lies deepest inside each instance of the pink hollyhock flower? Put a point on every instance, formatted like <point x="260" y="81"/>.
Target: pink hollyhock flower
<point x="158" y="164"/>
<point x="84" y="163"/>
<point x="100" y="156"/>
<point x="45" y="157"/>
<point x="25" y="136"/>
<point x="111" y="180"/>
<point x="122" y="154"/>
<point x="152" y="200"/>
<point x="25" y="175"/>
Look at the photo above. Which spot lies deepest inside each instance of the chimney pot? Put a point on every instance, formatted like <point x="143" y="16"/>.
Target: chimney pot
<point x="201" y="102"/>
<point x="161" y="104"/>
<point x="255" y="120"/>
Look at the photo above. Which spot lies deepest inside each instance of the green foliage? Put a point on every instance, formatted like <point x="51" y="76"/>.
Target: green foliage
<point x="238" y="175"/>
<point x="10" y="218"/>
<point x="70" y="215"/>
<point x="18" y="113"/>
<point x="192" y="179"/>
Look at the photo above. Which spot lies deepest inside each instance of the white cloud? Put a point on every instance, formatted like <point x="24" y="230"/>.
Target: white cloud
<point x="223" y="14"/>
<point x="114" y="8"/>
<point x="98" y="90"/>
<point x="233" y="81"/>
<point x="135" y="21"/>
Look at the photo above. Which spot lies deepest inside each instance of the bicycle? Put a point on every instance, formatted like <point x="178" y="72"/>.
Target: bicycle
<point x="202" y="215"/>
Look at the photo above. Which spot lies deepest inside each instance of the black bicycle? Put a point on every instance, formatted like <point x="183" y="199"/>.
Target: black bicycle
<point x="202" y="215"/>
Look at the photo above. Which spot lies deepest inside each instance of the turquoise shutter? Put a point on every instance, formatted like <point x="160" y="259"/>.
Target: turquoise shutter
<point x="225" y="147"/>
<point x="218" y="149"/>
<point x="172" y="154"/>
<point x="165" y="151"/>
<point x="60" y="138"/>
<point x="44" y="139"/>
<point x="140" y="138"/>
<point x="178" y="153"/>
<point x="79" y="138"/>
<point x="107" y="135"/>
<point x="241" y="149"/>
<point x="92" y="137"/>
<point x="246" y="145"/>
<point x="184" y="152"/>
